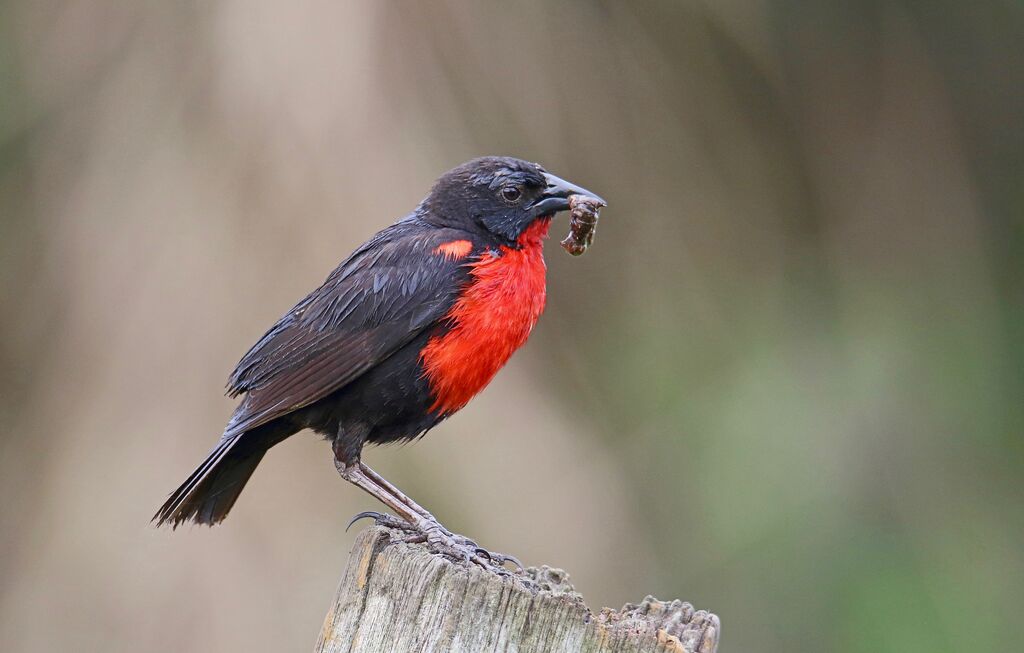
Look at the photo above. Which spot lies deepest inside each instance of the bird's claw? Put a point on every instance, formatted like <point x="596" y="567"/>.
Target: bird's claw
<point x="362" y="515"/>
<point x="499" y="559"/>
<point x="381" y="519"/>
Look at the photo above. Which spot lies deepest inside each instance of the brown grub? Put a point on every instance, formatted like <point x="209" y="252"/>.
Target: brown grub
<point x="582" y="223"/>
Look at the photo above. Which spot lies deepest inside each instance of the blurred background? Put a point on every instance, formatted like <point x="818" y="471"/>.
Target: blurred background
<point x="785" y="384"/>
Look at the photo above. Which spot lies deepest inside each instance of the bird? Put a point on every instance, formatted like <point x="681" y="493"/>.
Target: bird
<point x="398" y="338"/>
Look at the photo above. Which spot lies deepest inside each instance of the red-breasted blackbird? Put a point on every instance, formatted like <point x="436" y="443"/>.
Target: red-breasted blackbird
<point x="399" y="337"/>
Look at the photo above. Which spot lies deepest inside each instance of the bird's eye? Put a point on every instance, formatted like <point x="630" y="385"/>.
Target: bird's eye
<point x="511" y="193"/>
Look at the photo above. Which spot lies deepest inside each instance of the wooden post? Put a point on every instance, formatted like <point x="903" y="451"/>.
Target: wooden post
<point x="398" y="597"/>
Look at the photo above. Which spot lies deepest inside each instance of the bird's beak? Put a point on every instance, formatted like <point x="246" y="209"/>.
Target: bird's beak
<point x="556" y="196"/>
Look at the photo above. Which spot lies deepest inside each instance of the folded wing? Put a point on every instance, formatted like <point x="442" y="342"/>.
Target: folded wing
<point x="376" y="301"/>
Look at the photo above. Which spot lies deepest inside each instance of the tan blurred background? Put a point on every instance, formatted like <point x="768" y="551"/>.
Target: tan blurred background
<point x="785" y="384"/>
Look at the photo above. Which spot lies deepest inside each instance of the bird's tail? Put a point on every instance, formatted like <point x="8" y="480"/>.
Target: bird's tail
<point x="208" y="494"/>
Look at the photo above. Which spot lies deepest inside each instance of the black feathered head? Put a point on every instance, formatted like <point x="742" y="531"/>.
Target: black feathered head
<point x="499" y="194"/>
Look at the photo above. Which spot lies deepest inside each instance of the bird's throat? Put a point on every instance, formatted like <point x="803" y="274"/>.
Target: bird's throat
<point x="534" y="235"/>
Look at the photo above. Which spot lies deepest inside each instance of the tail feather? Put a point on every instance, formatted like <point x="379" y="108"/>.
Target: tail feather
<point x="200" y="472"/>
<point x="211" y="490"/>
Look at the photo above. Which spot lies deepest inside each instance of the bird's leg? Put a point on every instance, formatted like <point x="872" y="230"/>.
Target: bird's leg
<point x="427" y="530"/>
<point x="352" y="473"/>
<point x="399" y="495"/>
<point x="497" y="558"/>
<point x="416" y="518"/>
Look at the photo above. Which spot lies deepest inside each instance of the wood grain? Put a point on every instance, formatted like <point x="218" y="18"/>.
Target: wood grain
<point x="400" y="597"/>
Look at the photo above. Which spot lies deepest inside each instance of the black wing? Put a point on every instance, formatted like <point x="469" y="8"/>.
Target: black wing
<point x="376" y="301"/>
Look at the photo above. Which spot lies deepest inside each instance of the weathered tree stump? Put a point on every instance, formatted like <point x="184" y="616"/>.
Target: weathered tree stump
<point x="401" y="598"/>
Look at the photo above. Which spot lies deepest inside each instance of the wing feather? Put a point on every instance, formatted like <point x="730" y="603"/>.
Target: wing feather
<point x="376" y="301"/>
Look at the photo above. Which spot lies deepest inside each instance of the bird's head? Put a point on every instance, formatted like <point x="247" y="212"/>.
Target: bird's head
<point x="501" y="195"/>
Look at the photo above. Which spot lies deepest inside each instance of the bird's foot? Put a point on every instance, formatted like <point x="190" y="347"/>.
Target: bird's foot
<point x="441" y="541"/>
<point x="460" y="548"/>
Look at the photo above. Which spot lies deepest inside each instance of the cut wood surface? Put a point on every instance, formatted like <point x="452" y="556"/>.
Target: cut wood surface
<point x="401" y="598"/>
